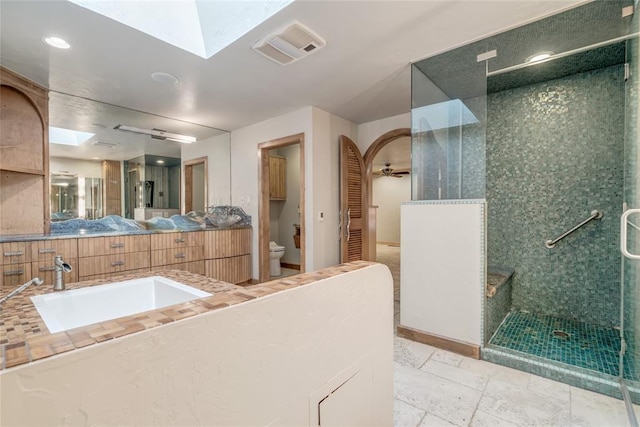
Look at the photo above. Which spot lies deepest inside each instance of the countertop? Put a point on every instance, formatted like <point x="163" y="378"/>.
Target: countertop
<point x="24" y="338"/>
<point x="89" y="233"/>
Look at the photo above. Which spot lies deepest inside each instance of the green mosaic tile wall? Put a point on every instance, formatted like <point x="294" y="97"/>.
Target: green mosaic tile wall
<point x="554" y="153"/>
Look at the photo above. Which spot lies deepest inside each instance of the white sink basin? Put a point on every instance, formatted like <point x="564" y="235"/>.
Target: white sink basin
<point x="80" y="307"/>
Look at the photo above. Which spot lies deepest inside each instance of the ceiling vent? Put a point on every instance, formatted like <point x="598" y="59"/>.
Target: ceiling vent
<point x="290" y="44"/>
<point x="105" y="144"/>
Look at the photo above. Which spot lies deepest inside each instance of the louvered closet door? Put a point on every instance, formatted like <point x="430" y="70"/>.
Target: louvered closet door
<point x="353" y="202"/>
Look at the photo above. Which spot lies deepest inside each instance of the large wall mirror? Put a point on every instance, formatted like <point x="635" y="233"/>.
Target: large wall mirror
<point x="106" y="159"/>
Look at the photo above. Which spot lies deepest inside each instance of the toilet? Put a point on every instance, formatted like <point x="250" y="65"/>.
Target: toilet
<point x="275" y="253"/>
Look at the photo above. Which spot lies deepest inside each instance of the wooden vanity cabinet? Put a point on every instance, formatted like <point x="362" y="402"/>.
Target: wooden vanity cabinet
<point x="43" y="253"/>
<point x="178" y="251"/>
<point x="16" y="266"/>
<point x="101" y="257"/>
<point x="221" y="254"/>
<point x="227" y="255"/>
<point x="24" y="155"/>
<point x="277" y="178"/>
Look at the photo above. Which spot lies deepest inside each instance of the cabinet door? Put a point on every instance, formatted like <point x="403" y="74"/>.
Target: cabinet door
<point x="277" y="178"/>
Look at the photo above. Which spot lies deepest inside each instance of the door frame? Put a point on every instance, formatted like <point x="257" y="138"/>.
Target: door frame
<point x="264" y="226"/>
<point x="187" y="166"/>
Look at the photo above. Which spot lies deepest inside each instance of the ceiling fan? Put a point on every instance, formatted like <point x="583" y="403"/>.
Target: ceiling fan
<point x="395" y="173"/>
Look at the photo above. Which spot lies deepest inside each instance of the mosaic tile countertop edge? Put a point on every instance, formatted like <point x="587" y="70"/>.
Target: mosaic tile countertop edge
<point x="24" y="338"/>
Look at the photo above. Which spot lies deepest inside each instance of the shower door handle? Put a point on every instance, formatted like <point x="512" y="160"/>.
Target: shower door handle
<point x="624" y="222"/>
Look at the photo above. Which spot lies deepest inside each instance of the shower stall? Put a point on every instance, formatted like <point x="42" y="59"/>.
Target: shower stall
<point x="541" y="123"/>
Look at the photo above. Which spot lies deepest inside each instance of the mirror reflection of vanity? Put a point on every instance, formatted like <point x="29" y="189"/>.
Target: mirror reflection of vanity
<point x="131" y="174"/>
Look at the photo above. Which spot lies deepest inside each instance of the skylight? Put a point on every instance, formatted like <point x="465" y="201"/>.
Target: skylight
<point x="202" y="27"/>
<point x="68" y="136"/>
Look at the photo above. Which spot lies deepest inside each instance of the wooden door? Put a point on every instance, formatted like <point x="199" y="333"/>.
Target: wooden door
<point x="353" y="203"/>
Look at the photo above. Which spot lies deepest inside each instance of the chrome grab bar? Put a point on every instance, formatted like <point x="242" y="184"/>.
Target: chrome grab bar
<point x="595" y="214"/>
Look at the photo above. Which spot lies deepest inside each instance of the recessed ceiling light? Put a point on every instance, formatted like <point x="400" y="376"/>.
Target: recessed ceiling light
<point x="160" y="161"/>
<point x="165" y="78"/>
<point x="57" y="42"/>
<point x="96" y="158"/>
<point x="540" y="56"/>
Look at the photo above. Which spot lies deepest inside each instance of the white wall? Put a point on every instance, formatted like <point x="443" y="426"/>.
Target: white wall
<point x="388" y="194"/>
<point x="217" y="151"/>
<point x="369" y="132"/>
<point x="283" y="353"/>
<point x="86" y="168"/>
<point x="321" y="131"/>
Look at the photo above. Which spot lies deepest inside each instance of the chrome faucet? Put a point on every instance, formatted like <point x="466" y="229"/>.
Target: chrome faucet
<point x="35" y="281"/>
<point x="61" y="266"/>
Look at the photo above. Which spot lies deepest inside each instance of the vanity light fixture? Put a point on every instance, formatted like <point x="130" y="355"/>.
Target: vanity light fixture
<point x="57" y="42"/>
<point x="158" y="134"/>
<point x="540" y="56"/>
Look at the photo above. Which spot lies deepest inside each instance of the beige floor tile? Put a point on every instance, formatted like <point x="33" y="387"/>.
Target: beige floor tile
<point x="482" y="419"/>
<point x="431" y="420"/>
<point x="447" y="357"/>
<point x="405" y="415"/>
<point x="456" y="374"/>
<point x="551" y="388"/>
<point x="593" y="409"/>
<point x="497" y="372"/>
<point x="411" y="353"/>
<point x="519" y="405"/>
<point x="443" y="398"/>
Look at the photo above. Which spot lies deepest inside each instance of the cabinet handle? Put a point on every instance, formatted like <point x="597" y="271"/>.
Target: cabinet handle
<point x="14" y="272"/>
<point x="180" y="255"/>
<point x="46" y="251"/>
<point x="14" y="253"/>
<point x="47" y="268"/>
<point x="117" y="263"/>
<point x="181" y="240"/>
<point x="117" y="245"/>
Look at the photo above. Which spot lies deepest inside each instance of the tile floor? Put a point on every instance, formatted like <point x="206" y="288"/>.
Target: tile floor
<point x="433" y="387"/>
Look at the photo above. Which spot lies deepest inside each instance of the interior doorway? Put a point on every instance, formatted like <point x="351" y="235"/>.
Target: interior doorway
<point x="270" y="189"/>
<point x="357" y="214"/>
<point x="195" y="184"/>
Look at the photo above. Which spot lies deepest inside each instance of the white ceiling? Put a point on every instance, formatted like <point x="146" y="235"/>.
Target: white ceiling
<point x="361" y="75"/>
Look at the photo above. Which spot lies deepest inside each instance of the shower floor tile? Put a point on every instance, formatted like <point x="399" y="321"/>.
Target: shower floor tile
<point x="567" y="341"/>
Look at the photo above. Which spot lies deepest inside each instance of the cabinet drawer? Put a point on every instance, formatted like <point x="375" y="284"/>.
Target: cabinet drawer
<point x="164" y="257"/>
<point x="94" y="246"/>
<point x="15" y="253"/>
<point x="176" y="240"/>
<point x="91" y="266"/>
<point x="227" y="243"/>
<point x="196" y="267"/>
<point x="46" y="250"/>
<point x="232" y="270"/>
<point x="46" y="270"/>
<point x="14" y="275"/>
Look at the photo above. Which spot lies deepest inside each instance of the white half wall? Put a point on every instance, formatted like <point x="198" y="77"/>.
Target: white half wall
<point x="388" y="194"/>
<point x="268" y="361"/>
<point x="217" y="151"/>
<point x="442" y="268"/>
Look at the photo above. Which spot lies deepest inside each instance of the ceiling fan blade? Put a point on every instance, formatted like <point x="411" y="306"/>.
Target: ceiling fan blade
<point x="396" y="175"/>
